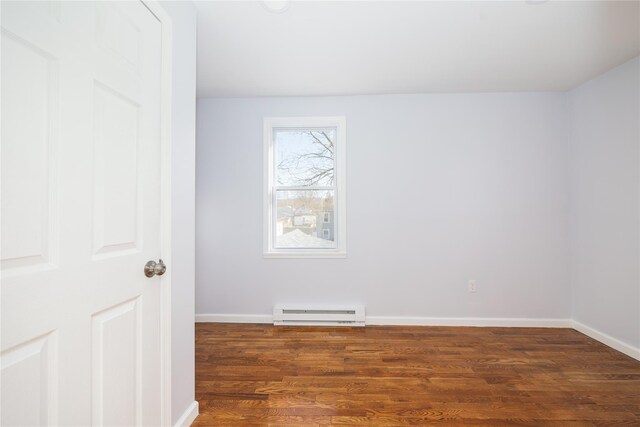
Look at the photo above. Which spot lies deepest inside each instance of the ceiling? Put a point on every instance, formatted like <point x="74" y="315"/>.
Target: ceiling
<point x="379" y="47"/>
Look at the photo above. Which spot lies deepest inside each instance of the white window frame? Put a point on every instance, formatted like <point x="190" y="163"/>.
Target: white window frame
<point x="340" y="201"/>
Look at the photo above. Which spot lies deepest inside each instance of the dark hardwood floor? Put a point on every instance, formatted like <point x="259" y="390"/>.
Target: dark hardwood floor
<point x="259" y="375"/>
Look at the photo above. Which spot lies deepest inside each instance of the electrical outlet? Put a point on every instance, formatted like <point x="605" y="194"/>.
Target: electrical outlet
<point x="472" y="285"/>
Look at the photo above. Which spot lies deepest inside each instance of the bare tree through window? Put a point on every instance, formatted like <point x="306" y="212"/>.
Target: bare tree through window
<point x="311" y="163"/>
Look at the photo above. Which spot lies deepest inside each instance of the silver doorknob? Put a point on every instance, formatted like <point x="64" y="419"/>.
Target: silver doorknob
<point x="153" y="268"/>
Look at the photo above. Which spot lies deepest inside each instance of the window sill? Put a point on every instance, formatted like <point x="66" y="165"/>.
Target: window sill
<point x="305" y="255"/>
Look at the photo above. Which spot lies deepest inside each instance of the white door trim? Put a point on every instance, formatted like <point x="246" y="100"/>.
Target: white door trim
<point x="165" y="205"/>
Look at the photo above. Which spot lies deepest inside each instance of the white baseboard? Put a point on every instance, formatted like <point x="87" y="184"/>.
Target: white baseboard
<point x="189" y="416"/>
<point x="405" y="321"/>
<point x="234" y="318"/>
<point x="515" y="322"/>
<point x="612" y="342"/>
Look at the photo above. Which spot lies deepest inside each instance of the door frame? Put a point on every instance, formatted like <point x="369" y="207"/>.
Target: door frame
<point x="161" y="14"/>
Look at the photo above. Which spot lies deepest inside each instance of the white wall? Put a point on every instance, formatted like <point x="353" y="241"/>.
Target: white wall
<point x="605" y="203"/>
<point x="182" y="264"/>
<point x="441" y="188"/>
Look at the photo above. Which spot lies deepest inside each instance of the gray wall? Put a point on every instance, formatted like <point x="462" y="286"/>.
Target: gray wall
<point x="441" y="188"/>
<point x="605" y="203"/>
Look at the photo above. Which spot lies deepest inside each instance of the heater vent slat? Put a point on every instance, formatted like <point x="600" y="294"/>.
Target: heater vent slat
<point x="318" y="316"/>
<point x="288" y="311"/>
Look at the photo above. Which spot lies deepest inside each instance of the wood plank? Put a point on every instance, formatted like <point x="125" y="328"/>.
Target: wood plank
<point x="257" y="375"/>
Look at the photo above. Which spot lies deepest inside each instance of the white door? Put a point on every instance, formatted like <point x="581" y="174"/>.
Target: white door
<point x="81" y="175"/>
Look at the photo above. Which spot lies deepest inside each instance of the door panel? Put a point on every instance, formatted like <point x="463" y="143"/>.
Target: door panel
<point x="116" y="202"/>
<point x="116" y="365"/>
<point x="33" y="366"/>
<point x="28" y="113"/>
<point x="80" y="214"/>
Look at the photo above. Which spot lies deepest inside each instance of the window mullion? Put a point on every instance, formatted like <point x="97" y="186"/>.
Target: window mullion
<point x="298" y="188"/>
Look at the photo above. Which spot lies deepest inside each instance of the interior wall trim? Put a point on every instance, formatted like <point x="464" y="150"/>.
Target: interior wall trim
<point x="188" y="416"/>
<point x="514" y="322"/>
<point x="608" y="340"/>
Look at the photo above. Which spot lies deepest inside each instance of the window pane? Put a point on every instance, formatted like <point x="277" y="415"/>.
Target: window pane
<point x="305" y="219"/>
<point x="304" y="157"/>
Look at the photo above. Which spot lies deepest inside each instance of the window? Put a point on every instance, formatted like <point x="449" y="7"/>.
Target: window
<point x="304" y="200"/>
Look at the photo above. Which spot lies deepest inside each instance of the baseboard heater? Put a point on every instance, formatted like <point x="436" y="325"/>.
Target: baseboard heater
<point x="318" y="316"/>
